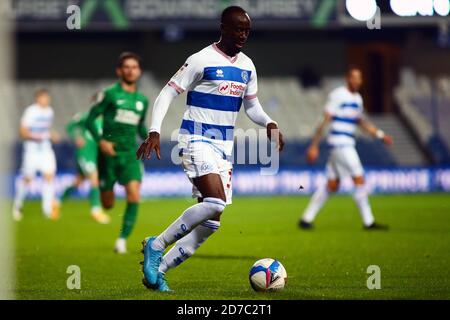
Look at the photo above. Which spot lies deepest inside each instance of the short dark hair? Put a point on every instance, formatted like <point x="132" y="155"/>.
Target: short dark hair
<point x="226" y="13"/>
<point x="353" y="67"/>
<point x="41" y="91"/>
<point x="128" y="55"/>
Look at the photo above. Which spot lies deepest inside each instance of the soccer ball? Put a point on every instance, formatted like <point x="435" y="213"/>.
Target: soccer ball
<point x="267" y="275"/>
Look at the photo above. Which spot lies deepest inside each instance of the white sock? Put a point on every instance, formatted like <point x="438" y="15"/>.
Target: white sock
<point x="21" y="193"/>
<point x="361" y="198"/>
<point x="191" y="217"/>
<point x="48" y="196"/>
<point x="185" y="247"/>
<point x="317" y="201"/>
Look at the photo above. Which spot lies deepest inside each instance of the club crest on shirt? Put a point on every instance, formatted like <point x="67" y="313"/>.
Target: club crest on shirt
<point x="244" y="76"/>
<point x="139" y="106"/>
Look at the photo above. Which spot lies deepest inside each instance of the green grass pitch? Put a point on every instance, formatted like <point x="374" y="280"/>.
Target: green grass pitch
<point x="327" y="263"/>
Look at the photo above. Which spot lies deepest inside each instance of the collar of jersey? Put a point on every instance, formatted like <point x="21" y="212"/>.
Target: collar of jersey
<point x="231" y="59"/>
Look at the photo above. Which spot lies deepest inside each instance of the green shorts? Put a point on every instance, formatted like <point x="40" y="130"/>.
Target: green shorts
<point x="87" y="159"/>
<point x="123" y="168"/>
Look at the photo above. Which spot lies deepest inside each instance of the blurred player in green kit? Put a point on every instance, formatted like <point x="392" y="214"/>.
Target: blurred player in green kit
<point x="86" y="156"/>
<point x="123" y="109"/>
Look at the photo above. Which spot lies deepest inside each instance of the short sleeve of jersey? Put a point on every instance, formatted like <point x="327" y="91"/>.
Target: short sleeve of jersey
<point x="189" y="73"/>
<point x="332" y="103"/>
<point x="252" y="86"/>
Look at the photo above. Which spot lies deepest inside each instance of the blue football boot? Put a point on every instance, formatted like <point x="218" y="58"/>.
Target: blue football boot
<point x="152" y="259"/>
<point x="162" y="283"/>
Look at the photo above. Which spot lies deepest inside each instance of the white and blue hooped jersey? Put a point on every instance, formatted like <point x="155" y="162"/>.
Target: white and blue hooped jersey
<point x="38" y="121"/>
<point x="346" y="109"/>
<point x="216" y="86"/>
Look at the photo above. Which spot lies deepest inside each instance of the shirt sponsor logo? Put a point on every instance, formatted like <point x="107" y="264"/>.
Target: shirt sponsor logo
<point x="120" y="102"/>
<point x="224" y="87"/>
<point x="231" y="88"/>
<point x="127" y="117"/>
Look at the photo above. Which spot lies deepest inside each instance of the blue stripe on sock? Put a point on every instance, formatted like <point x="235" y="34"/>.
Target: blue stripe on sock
<point x="210" y="226"/>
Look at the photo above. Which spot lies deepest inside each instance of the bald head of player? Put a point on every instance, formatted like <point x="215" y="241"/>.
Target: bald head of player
<point x="354" y="79"/>
<point x="234" y="28"/>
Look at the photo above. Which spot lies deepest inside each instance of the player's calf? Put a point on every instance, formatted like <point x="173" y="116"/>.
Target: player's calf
<point x="107" y="198"/>
<point x="186" y="247"/>
<point x="153" y="248"/>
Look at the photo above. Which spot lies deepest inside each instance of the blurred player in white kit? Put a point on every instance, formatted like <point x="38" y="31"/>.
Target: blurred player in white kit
<point x="344" y="112"/>
<point x="38" y="155"/>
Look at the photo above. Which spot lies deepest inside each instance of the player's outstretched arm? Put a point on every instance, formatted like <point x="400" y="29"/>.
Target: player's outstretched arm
<point x="98" y="109"/>
<point x="73" y="129"/>
<point x="313" y="151"/>
<point x="375" y="132"/>
<point x="152" y="143"/>
<point x="256" y="113"/>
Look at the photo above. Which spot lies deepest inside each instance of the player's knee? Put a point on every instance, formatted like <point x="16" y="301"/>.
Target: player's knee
<point x="27" y="180"/>
<point x="217" y="206"/>
<point x="333" y="185"/>
<point x="94" y="183"/>
<point x="359" y="180"/>
<point x="48" y="177"/>
<point x="93" y="180"/>
<point x="133" y="198"/>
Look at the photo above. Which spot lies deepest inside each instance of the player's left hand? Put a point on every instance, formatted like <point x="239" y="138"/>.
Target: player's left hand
<point x="79" y="142"/>
<point x="387" y="139"/>
<point x="151" y="143"/>
<point x="274" y="133"/>
<point x="55" y="137"/>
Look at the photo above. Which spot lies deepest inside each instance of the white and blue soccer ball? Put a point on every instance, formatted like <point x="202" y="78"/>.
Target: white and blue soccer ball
<point x="268" y="275"/>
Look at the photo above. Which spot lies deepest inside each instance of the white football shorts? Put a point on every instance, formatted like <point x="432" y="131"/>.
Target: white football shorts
<point x="343" y="161"/>
<point x="34" y="161"/>
<point x="200" y="158"/>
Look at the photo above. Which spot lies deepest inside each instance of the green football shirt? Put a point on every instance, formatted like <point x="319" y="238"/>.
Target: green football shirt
<point x="123" y="117"/>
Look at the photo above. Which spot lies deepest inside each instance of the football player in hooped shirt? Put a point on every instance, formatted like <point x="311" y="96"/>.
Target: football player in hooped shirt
<point x="218" y="79"/>
<point x="344" y="112"/>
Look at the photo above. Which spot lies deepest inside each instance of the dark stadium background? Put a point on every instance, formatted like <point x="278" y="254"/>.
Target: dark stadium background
<point x="302" y="46"/>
